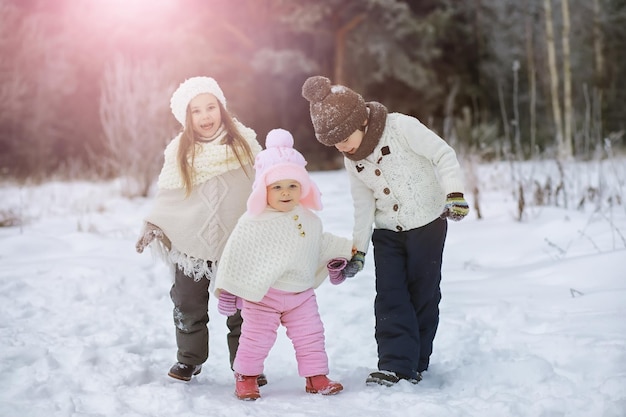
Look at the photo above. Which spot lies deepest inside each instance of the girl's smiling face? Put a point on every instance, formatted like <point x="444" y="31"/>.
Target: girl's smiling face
<point x="206" y="117"/>
<point x="284" y="195"/>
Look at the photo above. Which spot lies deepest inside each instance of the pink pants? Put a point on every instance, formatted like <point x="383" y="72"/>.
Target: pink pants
<point x="298" y="312"/>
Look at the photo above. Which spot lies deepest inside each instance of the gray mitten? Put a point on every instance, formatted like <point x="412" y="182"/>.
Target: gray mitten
<point x="355" y="265"/>
<point x="150" y="232"/>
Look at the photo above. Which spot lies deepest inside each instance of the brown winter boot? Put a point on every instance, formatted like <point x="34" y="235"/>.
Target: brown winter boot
<point x="320" y="384"/>
<point x="246" y="387"/>
<point x="183" y="371"/>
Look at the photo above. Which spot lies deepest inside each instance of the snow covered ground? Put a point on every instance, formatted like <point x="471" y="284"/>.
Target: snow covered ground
<point x="533" y="316"/>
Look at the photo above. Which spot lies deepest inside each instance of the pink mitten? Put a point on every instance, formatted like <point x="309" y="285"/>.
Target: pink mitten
<point x="227" y="303"/>
<point x="335" y="270"/>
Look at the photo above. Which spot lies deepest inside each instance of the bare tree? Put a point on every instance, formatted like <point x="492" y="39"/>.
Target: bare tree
<point x="369" y="41"/>
<point x="554" y="77"/>
<point x="34" y="81"/>
<point x="134" y="115"/>
<point x="340" y="46"/>
<point x="532" y="75"/>
<point x="567" y="82"/>
<point x="516" y="119"/>
<point x="598" y="48"/>
<point x="12" y="83"/>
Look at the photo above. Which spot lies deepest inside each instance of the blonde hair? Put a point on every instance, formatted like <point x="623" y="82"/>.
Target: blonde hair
<point x="187" y="149"/>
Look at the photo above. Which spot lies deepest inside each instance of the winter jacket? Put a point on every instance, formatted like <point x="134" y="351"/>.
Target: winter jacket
<point x="403" y="183"/>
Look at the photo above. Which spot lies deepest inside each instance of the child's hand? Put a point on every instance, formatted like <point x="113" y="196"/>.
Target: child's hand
<point x="335" y="270"/>
<point x="150" y="233"/>
<point x="456" y="207"/>
<point x="355" y="265"/>
<point x="227" y="303"/>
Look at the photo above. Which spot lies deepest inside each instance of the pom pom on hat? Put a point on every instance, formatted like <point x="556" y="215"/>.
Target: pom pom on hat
<point x="336" y="111"/>
<point x="280" y="161"/>
<point x="188" y="90"/>
<point x="315" y="89"/>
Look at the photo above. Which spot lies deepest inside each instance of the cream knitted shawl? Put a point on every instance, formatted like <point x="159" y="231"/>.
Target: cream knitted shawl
<point x="211" y="159"/>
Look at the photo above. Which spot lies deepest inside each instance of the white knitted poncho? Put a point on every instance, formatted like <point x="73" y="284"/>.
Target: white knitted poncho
<point x="286" y="251"/>
<point x="198" y="225"/>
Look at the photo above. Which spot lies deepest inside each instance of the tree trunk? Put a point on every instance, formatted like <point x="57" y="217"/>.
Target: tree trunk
<point x="567" y="82"/>
<point x="532" y="77"/>
<point x="554" y="78"/>
<point x="505" y="120"/>
<point x="519" y="153"/>
<point x="449" y="133"/>
<point x="340" y="47"/>
<point x="598" y="46"/>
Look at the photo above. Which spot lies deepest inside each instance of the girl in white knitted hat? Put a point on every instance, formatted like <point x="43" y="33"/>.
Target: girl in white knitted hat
<point x="275" y="257"/>
<point x="202" y="190"/>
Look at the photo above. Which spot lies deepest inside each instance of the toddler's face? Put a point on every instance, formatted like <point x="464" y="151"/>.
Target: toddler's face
<point x="284" y="195"/>
<point x="351" y="143"/>
<point x="206" y="117"/>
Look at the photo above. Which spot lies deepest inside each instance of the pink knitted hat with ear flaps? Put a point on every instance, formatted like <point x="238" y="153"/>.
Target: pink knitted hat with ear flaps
<point x="280" y="161"/>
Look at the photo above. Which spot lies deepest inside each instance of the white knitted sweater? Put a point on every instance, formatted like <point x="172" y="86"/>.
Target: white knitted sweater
<point x="286" y="251"/>
<point x="403" y="183"/>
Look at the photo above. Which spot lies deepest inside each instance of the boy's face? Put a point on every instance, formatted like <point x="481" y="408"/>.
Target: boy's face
<point x="206" y="117"/>
<point x="351" y="143"/>
<point x="284" y="195"/>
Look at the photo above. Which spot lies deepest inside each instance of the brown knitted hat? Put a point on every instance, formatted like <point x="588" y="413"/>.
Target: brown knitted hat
<point x="336" y="111"/>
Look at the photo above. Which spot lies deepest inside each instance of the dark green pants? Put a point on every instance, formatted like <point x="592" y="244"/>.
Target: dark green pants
<point x="191" y="304"/>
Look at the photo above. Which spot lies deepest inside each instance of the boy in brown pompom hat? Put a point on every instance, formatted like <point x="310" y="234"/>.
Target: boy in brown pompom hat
<point x="406" y="182"/>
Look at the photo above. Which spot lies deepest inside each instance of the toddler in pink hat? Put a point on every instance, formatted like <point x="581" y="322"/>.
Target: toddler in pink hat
<point x="275" y="257"/>
<point x="280" y="161"/>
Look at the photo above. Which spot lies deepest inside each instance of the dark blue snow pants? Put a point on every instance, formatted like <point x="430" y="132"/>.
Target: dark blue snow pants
<point x="408" y="277"/>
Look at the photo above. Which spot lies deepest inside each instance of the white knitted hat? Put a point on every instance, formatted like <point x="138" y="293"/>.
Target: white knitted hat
<point x="189" y="89"/>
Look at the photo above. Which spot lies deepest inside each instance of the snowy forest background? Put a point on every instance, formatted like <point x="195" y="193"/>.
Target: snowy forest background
<point x="85" y="85"/>
<point x="530" y="93"/>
